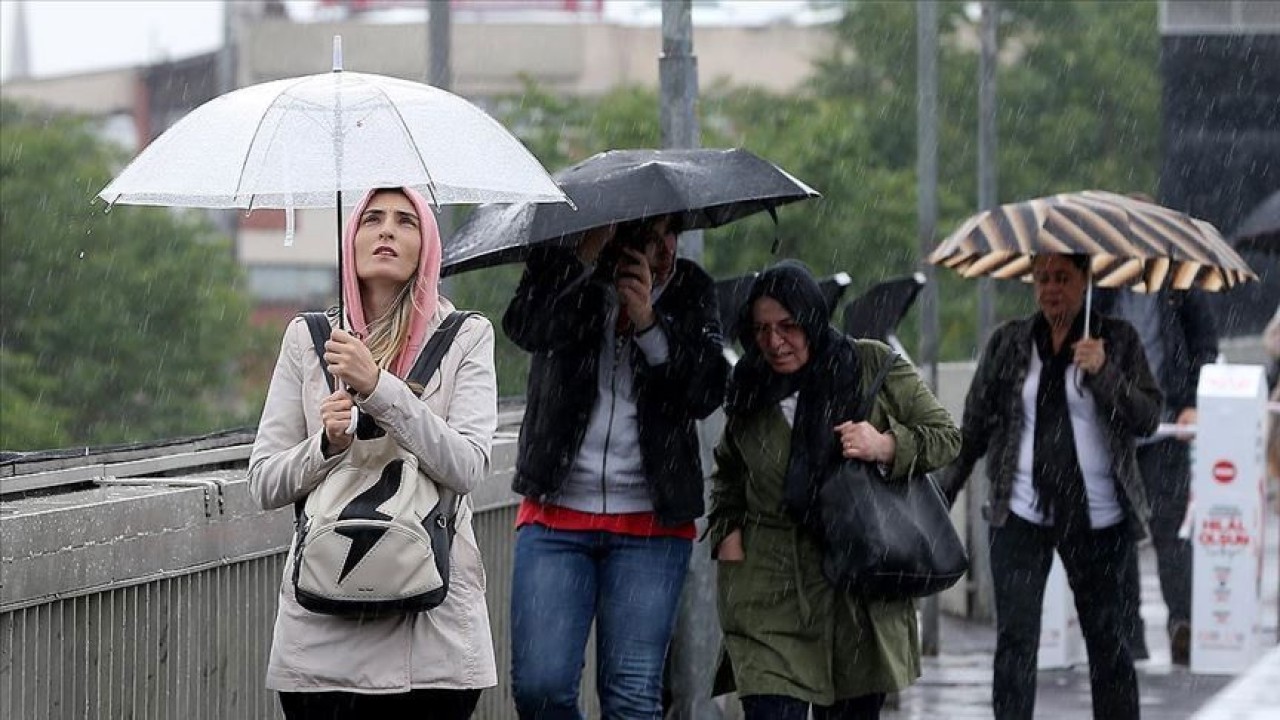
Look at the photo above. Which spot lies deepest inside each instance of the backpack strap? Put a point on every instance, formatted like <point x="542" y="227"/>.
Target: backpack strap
<point x="431" y="355"/>
<point x="426" y="366"/>
<point x="428" y="360"/>
<point x="868" y="400"/>
<point x="318" y="324"/>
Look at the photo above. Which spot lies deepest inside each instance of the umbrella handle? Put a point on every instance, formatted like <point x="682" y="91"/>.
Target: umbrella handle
<point x="1088" y="298"/>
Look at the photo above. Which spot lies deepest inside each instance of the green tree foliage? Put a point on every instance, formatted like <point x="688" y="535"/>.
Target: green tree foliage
<point x="117" y="327"/>
<point x="1078" y="108"/>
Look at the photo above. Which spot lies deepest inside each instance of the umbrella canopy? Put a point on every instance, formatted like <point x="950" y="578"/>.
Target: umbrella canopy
<point x="302" y="142"/>
<point x="1132" y="243"/>
<point x="707" y="187"/>
<point x="296" y="143"/>
<point x="877" y="313"/>
<point x="1260" y="230"/>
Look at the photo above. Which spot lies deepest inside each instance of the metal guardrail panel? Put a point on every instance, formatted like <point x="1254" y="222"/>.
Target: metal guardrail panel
<point x="100" y="539"/>
<point x="129" y="468"/>
<point x="133" y="601"/>
<point x="189" y="648"/>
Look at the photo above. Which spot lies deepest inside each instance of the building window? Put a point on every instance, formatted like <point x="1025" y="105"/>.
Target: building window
<point x="310" y="284"/>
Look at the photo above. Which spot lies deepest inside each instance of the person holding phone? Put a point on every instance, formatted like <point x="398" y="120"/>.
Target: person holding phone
<point x="610" y="469"/>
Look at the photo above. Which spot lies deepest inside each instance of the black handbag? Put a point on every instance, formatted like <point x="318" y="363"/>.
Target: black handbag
<point x="882" y="538"/>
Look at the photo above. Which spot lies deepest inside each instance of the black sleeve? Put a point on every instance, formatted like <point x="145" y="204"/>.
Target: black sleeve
<point x="696" y="373"/>
<point x="981" y="406"/>
<point x="1201" y="335"/>
<point x="1124" y="386"/>
<point x="555" y="304"/>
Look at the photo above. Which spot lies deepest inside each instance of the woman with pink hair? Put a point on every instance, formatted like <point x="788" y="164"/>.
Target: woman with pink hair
<point x="429" y="664"/>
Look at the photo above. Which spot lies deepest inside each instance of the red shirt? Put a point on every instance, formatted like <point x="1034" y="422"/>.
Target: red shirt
<point x="642" y="524"/>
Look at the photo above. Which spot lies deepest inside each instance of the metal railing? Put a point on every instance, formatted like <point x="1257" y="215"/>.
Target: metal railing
<point x="142" y="582"/>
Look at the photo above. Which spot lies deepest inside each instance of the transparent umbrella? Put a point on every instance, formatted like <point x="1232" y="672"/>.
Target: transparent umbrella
<point x="301" y="142"/>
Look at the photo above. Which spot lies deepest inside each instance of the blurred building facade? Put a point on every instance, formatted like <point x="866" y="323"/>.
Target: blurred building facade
<point x="562" y="46"/>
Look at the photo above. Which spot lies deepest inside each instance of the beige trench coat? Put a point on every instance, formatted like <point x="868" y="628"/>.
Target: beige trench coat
<point x="449" y="647"/>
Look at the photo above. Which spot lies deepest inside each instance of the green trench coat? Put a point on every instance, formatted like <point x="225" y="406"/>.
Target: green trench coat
<point x="788" y="632"/>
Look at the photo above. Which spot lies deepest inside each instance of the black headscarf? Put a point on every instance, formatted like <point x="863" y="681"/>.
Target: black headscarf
<point x="828" y="383"/>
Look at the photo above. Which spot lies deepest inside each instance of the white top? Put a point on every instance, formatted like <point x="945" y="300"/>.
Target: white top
<point x="788" y="407"/>
<point x="1092" y="451"/>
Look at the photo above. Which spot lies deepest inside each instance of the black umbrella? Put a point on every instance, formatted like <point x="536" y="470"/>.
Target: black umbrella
<point x="876" y="313"/>
<point x="1260" y="230"/>
<point x="709" y="188"/>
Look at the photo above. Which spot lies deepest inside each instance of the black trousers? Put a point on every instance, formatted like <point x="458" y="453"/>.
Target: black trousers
<point x="415" y="704"/>
<point x="1166" y="473"/>
<point x="781" y="707"/>
<point x="1021" y="555"/>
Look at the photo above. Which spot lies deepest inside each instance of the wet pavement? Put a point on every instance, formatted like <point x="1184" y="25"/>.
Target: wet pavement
<point x="957" y="684"/>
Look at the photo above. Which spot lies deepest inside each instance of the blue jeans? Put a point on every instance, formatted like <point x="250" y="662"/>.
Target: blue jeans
<point x="563" y="580"/>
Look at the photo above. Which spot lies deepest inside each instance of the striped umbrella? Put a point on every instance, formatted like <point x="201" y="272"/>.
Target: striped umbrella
<point x="1135" y="244"/>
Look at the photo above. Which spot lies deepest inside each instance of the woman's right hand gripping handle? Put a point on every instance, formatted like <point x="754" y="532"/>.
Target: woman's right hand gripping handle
<point x="335" y="414"/>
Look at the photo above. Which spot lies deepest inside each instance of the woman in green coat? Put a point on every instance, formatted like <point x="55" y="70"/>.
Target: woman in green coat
<point x="792" y="639"/>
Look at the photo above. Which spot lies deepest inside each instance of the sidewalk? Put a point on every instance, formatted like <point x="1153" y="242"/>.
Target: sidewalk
<point x="957" y="684"/>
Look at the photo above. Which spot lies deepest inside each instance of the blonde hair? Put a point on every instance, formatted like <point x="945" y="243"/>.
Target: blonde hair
<point x="387" y="334"/>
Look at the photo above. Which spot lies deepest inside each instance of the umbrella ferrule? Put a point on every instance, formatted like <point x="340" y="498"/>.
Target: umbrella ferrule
<point x="337" y="53"/>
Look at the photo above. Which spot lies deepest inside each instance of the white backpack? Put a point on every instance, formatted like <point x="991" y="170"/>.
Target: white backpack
<point x="373" y="538"/>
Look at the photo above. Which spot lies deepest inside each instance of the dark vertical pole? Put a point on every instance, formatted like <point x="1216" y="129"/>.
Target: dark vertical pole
<point x="926" y="223"/>
<point x="987" y="152"/>
<point x="440" y="74"/>
<point x="927" y="177"/>
<point x="980" y="597"/>
<point x="678" y="82"/>
<point x="228" y="221"/>
<point x="439" y="47"/>
<point x="691" y="664"/>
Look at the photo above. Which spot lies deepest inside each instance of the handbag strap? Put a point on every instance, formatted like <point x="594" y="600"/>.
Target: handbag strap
<point x="868" y="401"/>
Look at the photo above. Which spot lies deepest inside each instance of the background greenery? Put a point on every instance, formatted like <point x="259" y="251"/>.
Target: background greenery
<point x="1079" y="99"/>
<point x="116" y="327"/>
<point x="133" y="325"/>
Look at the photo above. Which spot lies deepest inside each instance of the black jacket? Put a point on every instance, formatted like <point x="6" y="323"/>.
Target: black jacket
<point x="562" y="324"/>
<point x="1190" y="341"/>
<point x="1127" y="397"/>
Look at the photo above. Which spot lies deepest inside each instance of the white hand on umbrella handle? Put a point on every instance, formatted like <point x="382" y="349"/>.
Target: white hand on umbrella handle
<point x="355" y="420"/>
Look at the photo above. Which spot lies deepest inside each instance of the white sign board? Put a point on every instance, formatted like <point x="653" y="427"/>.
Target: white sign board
<point x="1227" y="491"/>
<point x="1061" y="643"/>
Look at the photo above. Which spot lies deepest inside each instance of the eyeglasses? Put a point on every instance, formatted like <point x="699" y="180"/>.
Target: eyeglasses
<point x="787" y="330"/>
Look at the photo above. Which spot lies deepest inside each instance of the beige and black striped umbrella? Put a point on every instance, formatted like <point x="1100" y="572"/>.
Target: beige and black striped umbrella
<point x="1132" y="243"/>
